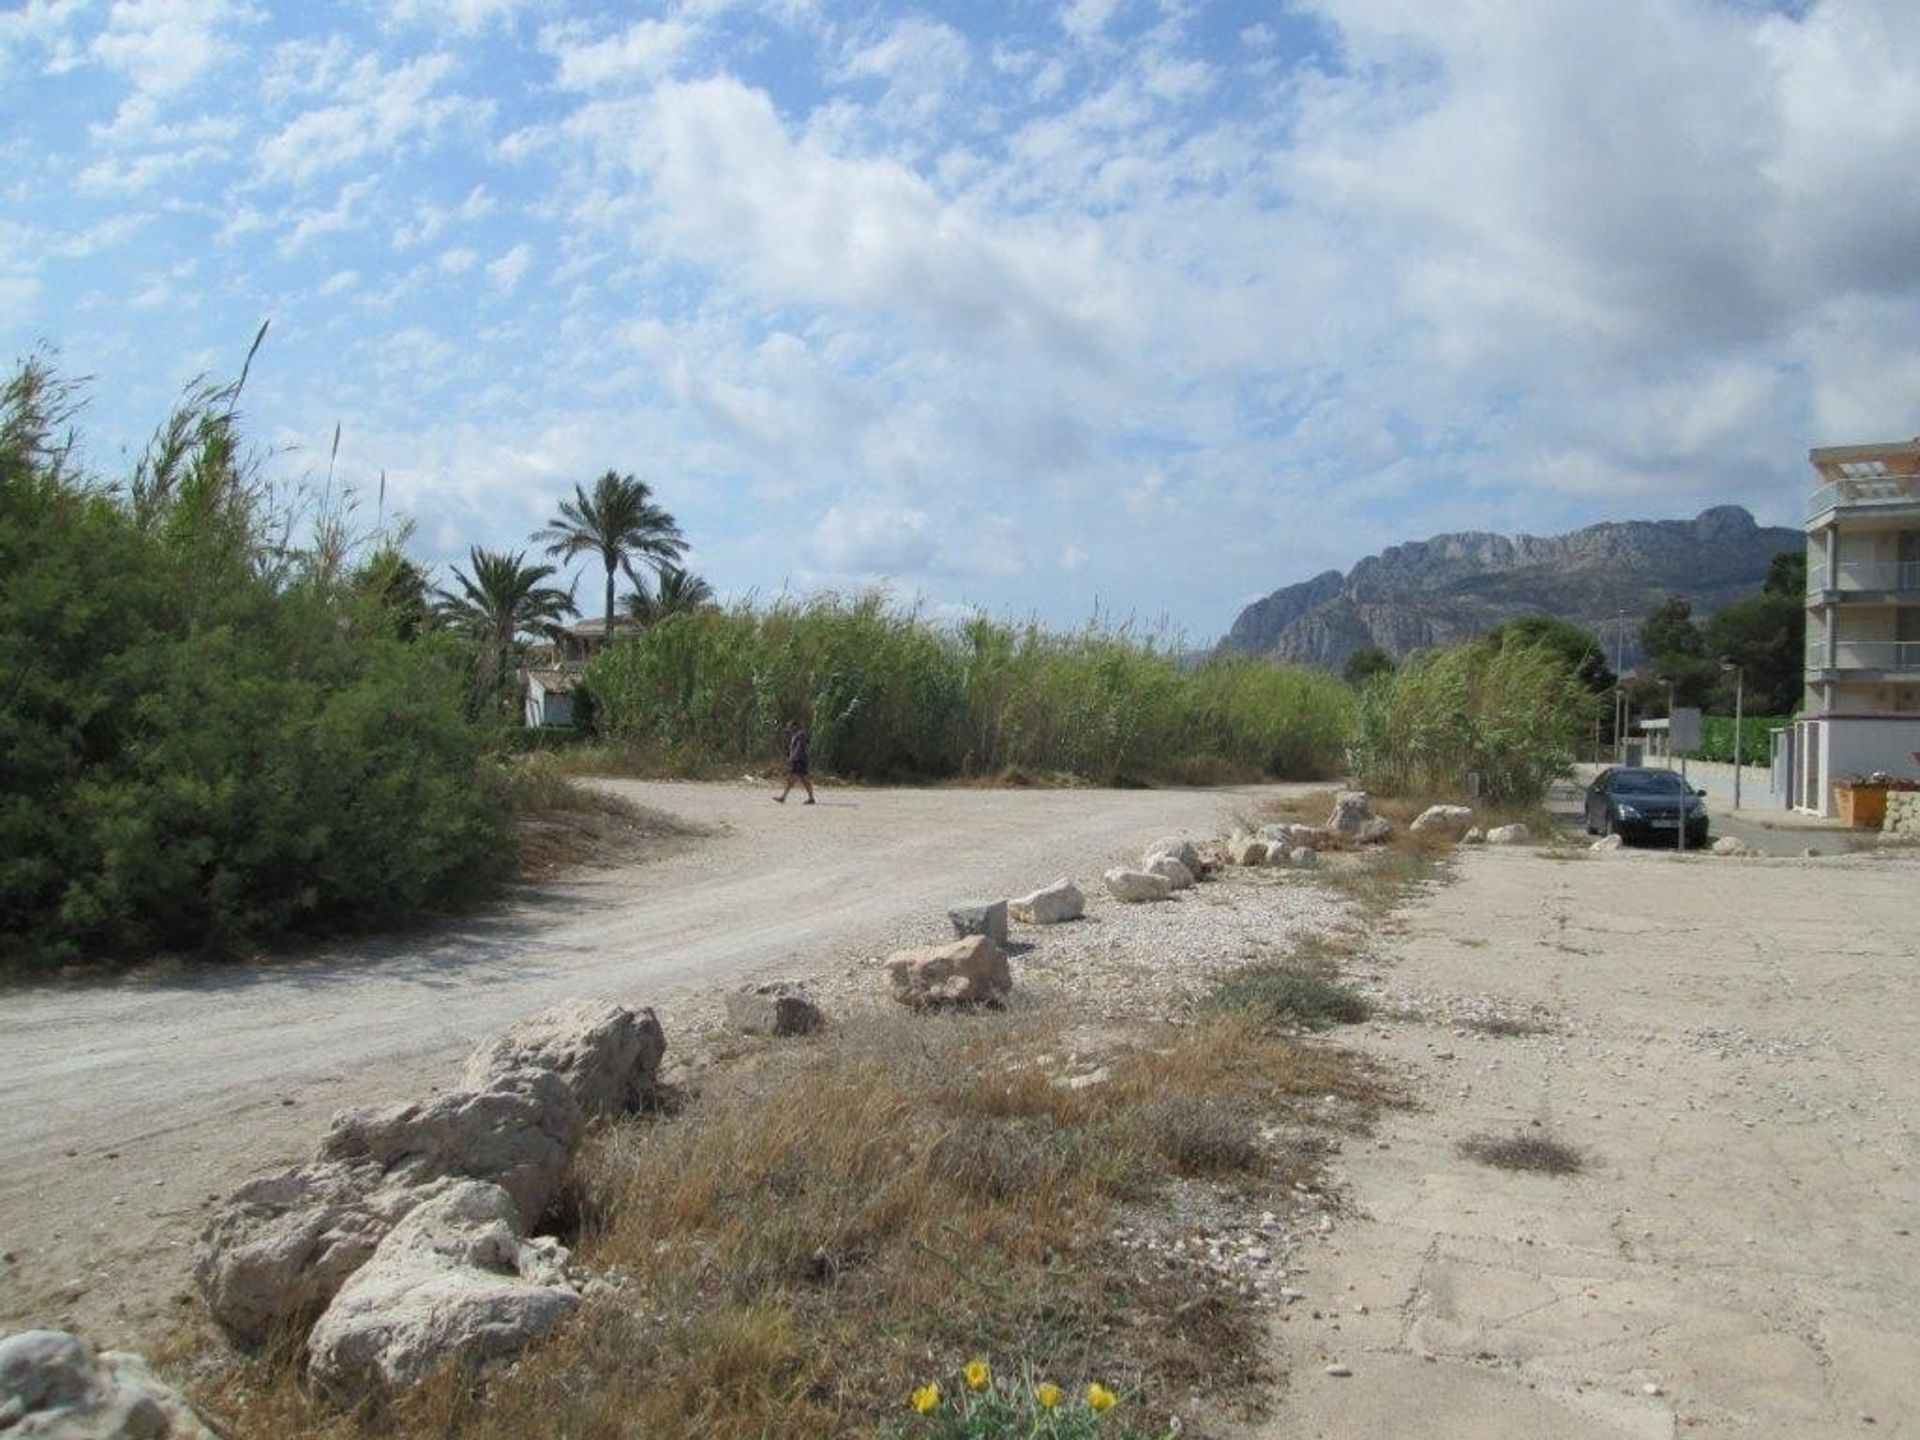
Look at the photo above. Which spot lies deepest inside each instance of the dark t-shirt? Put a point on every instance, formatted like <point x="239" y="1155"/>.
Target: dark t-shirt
<point x="797" y="748"/>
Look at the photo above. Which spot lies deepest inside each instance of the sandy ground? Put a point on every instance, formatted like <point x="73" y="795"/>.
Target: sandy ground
<point x="130" y="1105"/>
<point x="1733" y="1051"/>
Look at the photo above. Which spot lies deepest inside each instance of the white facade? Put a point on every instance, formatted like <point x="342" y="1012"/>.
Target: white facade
<point x="1861" y="711"/>
<point x="549" y="699"/>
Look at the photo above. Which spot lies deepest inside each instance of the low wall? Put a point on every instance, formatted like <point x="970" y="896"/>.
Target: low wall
<point x="1903" y="815"/>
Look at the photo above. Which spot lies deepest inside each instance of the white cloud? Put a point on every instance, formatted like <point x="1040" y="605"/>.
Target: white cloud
<point x="509" y="269"/>
<point x="340" y="282"/>
<point x="310" y="224"/>
<point x="164" y="48"/>
<point x="463" y="17"/>
<point x="644" y="51"/>
<point x="1085" y="19"/>
<point x="873" y="540"/>
<point x="921" y="62"/>
<point x="373" y="112"/>
<point x="457" y="261"/>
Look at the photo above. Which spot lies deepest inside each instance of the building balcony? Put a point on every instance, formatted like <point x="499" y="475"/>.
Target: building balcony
<point x="1891" y="582"/>
<point x="1863" y="660"/>
<point x="1864" y="487"/>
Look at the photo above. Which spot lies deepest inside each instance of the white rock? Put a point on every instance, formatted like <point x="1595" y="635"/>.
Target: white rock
<point x="1339" y="1371"/>
<point x="1351" y="810"/>
<point x="1454" y="820"/>
<point x="1135" y="886"/>
<point x="1055" y="903"/>
<point x="1168" y="868"/>
<point x="988" y="918"/>
<point x="1475" y="836"/>
<point x="1375" y="830"/>
<point x="973" y="971"/>
<point x="1245" y="850"/>
<point x="1607" y="844"/>
<point x="774" y="1007"/>
<point x="455" y="1283"/>
<point x="608" y="1055"/>
<point x="1732" y="845"/>
<point x="53" y="1386"/>
<point x="277" y="1250"/>
<point x="1509" y="835"/>
<point x="1185" y="851"/>
<point x="1305" y="857"/>
<point x="519" y="1134"/>
<point x="1277" y="834"/>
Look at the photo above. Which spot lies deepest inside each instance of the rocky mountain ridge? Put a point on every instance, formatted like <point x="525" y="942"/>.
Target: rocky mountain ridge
<point x="1452" y="587"/>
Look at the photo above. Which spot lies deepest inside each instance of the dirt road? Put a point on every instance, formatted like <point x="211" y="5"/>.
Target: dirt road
<point x="1731" y="1046"/>
<point x="129" y="1105"/>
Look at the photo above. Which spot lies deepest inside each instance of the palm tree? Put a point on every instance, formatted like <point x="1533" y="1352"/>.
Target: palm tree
<point x="619" y="522"/>
<point x="680" y="593"/>
<point x="502" y="599"/>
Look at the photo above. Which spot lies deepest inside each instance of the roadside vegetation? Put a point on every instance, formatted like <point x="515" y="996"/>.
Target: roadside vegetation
<point x="892" y="696"/>
<point x="827" y="1229"/>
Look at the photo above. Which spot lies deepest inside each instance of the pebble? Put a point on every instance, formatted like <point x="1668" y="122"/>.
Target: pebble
<point x="1340" y="1370"/>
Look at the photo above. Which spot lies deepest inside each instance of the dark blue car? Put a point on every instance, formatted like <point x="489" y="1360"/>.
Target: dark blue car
<point x="1638" y="804"/>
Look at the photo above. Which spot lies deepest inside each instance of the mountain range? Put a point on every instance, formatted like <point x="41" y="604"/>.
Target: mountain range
<point x="1453" y="587"/>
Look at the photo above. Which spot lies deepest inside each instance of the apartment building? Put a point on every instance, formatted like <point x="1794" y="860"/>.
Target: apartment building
<point x="1861" y="711"/>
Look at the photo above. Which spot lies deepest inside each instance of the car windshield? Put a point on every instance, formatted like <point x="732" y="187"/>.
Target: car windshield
<point x="1647" y="782"/>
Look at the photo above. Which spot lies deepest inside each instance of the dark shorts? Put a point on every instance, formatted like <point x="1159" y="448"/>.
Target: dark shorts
<point x="797" y="767"/>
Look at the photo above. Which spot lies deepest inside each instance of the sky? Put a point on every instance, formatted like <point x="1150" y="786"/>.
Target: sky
<point x="1138" y="308"/>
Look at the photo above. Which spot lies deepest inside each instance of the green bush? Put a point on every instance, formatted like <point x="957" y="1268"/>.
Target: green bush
<point x="1504" y="710"/>
<point x="208" y="739"/>
<point x="1756" y="738"/>
<point x="892" y="696"/>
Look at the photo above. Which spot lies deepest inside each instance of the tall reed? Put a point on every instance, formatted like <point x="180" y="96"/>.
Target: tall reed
<point x="891" y="695"/>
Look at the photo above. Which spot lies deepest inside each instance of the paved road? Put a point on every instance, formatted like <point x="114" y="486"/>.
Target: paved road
<point x="129" y="1104"/>
<point x="1771" y="832"/>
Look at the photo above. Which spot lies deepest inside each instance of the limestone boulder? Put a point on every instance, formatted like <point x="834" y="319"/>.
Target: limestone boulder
<point x="55" y="1386"/>
<point x="1509" y="835"/>
<point x="455" y="1283"/>
<point x="607" y="1054"/>
<point x="1185" y="851"/>
<point x="1607" y="844"/>
<point x="988" y="918"/>
<point x="1733" y="845"/>
<point x="1281" y="835"/>
<point x="1351" y="810"/>
<point x="1475" y="836"/>
<point x="1375" y="830"/>
<point x="1245" y="850"/>
<point x="277" y="1250"/>
<point x="1132" y="887"/>
<point x="973" y="971"/>
<point x="1058" y="902"/>
<point x="773" y="1007"/>
<point x="1453" y="820"/>
<point x="1304" y="857"/>
<point x="1313" y="837"/>
<point x="518" y="1134"/>
<point x="1169" y="868"/>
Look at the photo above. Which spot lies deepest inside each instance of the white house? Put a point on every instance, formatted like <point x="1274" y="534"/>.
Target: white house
<point x="550" y="698"/>
<point x="1861" y="711"/>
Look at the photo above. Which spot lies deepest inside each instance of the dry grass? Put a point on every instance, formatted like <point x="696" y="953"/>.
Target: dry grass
<point x="559" y="824"/>
<point x="1541" y="1154"/>
<point x="830" y="1222"/>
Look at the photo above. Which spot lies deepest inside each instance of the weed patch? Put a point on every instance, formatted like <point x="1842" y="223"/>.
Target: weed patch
<point x="1540" y="1154"/>
<point x="810" y="1238"/>
<point x="1289" y="995"/>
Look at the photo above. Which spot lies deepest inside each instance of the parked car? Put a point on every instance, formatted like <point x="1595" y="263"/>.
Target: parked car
<point x="1640" y="804"/>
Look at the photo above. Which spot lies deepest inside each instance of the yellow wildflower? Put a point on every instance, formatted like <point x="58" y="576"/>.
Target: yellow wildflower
<point x="978" y="1376"/>
<point x="1047" y="1393"/>
<point x="1099" y="1397"/>
<point x="926" y="1399"/>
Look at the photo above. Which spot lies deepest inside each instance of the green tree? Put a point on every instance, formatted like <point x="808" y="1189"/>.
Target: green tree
<point x="1766" y="637"/>
<point x="501" y="601"/>
<point x="1365" y="664"/>
<point x="680" y="592"/>
<point x="1578" y="649"/>
<point x="620" y="523"/>
<point x="1787" y="575"/>
<point x="1669" y="630"/>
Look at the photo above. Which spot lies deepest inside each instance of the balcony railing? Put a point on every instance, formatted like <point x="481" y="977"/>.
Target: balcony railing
<point x="1873" y="490"/>
<point x="1893" y="575"/>
<point x="1864" y="655"/>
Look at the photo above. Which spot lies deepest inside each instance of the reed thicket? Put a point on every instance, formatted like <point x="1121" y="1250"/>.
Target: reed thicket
<point x="892" y="696"/>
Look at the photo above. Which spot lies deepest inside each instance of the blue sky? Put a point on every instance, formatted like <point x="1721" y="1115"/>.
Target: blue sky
<point x="1153" y="305"/>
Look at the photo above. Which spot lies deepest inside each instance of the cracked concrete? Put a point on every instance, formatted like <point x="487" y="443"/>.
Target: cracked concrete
<point x="1740" y="1255"/>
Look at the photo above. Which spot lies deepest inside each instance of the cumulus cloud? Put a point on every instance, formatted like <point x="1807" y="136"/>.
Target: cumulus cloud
<point x="372" y="111"/>
<point x="873" y="540"/>
<point x="645" y="50"/>
<point x="508" y="270"/>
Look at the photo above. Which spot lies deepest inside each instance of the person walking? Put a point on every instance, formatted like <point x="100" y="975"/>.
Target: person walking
<point x="797" y="764"/>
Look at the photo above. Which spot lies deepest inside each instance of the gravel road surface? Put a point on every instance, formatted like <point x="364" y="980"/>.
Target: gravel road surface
<point x="130" y="1104"/>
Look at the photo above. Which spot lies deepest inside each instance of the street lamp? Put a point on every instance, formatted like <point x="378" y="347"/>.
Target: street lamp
<point x="1739" y="700"/>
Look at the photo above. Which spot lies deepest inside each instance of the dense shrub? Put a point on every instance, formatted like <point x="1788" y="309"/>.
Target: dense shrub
<point x="891" y="696"/>
<point x="1499" y="709"/>
<point x="1756" y="738"/>
<point x="208" y="738"/>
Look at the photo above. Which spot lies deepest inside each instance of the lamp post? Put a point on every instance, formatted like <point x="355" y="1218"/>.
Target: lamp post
<point x="1739" y="701"/>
